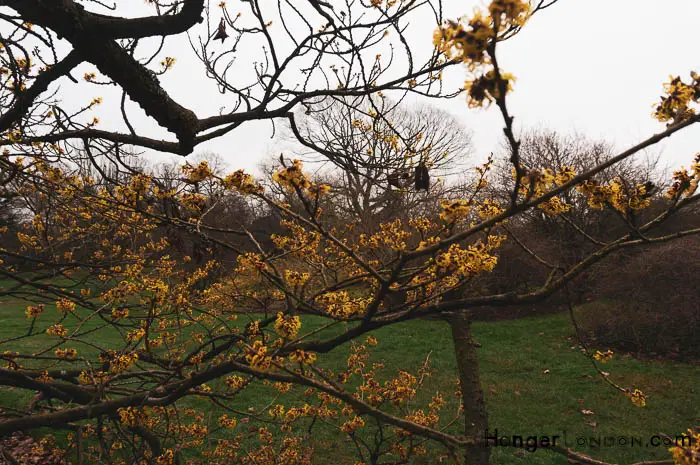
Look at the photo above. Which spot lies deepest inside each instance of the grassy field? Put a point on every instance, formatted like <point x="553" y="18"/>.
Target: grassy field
<point x="521" y="399"/>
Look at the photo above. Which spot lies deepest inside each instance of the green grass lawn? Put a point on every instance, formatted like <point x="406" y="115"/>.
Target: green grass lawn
<point x="520" y="398"/>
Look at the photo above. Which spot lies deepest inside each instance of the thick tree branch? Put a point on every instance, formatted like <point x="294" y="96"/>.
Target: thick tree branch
<point x="103" y="26"/>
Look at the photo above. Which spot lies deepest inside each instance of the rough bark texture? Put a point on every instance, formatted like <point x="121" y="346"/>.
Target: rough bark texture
<point x="476" y="419"/>
<point x="92" y="38"/>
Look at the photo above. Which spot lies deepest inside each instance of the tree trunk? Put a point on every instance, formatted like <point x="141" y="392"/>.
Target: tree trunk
<point x="476" y="419"/>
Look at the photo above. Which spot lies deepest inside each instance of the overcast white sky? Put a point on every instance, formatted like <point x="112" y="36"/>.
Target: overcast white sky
<point x="592" y="66"/>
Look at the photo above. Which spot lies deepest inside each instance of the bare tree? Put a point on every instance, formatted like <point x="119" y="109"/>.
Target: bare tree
<point x="374" y="159"/>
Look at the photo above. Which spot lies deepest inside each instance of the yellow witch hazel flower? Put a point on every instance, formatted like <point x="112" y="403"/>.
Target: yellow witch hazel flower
<point x="690" y="454"/>
<point x="243" y="183"/>
<point x="615" y="194"/>
<point x="296" y="278"/>
<point x="453" y="210"/>
<point x="685" y="183"/>
<point x="287" y="326"/>
<point x="675" y="105"/>
<point x="603" y="357"/>
<point x="57" y="330"/>
<point x="235" y="382"/>
<point x="226" y="422"/>
<point x="483" y="90"/>
<point x="65" y="306"/>
<point x="197" y="173"/>
<point x="508" y="13"/>
<point x="638" y="398"/>
<point x="465" y="43"/>
<point x="34" y="311"/>
<point x="67" y="354"/>
<point x="132" y="416"/>
<point x="472" y="260"/>
<point x="292" y="177"/>
<point x="303" y="357"/>
<point x="257" y="356"/>
<point x="468" y="43"/>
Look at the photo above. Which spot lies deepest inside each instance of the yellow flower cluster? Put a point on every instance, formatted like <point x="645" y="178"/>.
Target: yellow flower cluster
<point x="34" y="311"/>
<point x="603" y="357"/>
<point x="638" y="398"/>
<point x="243" y="183"/>
<point x="485" y="89"/>
<point x="65" y="306"/>
<point x="235" y="382"/>
<point x="303" y="357"/>
<point x="437" y="402"/>
<point x="98" y="377"/>
<point x="509" y="12"/>
<point x="615" y="194"/>
<point x="257" y="356"/>
<point x="226" y="422"/>
<point x="167" y="63"/>
<point x="467" y="44"/>
<point x="282" y="387"/>
<point x="296" y="278"/>
<point x="453" y="210"/>
<point x="166" y="458"/>
<point x="471" y="44"/>
<point x="277" y="411"/>
<point x="352" y="425"/>
<point x="488" y="209"/>
<point x="57" y="330"/>
<point x="421" y="418"/>
<point x="675" y="105"/>
<point x="340" y="305"/>
<point x="250" y="263"/>
<point x="120" y="313"/>
<point x="319" y="190"/>
<point x="135" y="335"/>
<point x="306" y="410"/>
<point x="471" y="261"/>
<point x="287" y="326"/>
<point x="685" y="183"/>
<point x="299" y="240"/>
<point x="67" y="354"/>
<point x="24" y="65"/>
<point x="687" y="455"/>
<point x="194" y="201"/>
<point x="131" y="416"/>
<point x="119" y="363"/>
<point x="401" y="388"/>
<point x="537" y="182"/>
<point x="292" y="177"/>
<point x="197" y="173"/>
<point x="44" y="377"/>
<point x="391" y="234"/>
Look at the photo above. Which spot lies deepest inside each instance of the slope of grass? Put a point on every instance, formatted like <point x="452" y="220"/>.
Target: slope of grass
<point x="522" y="398"/>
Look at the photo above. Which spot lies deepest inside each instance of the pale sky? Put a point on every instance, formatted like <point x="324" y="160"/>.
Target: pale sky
<point x="591" y="66"/>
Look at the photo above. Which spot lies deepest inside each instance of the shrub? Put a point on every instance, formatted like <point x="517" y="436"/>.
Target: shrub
<point x="648" y="302"/>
